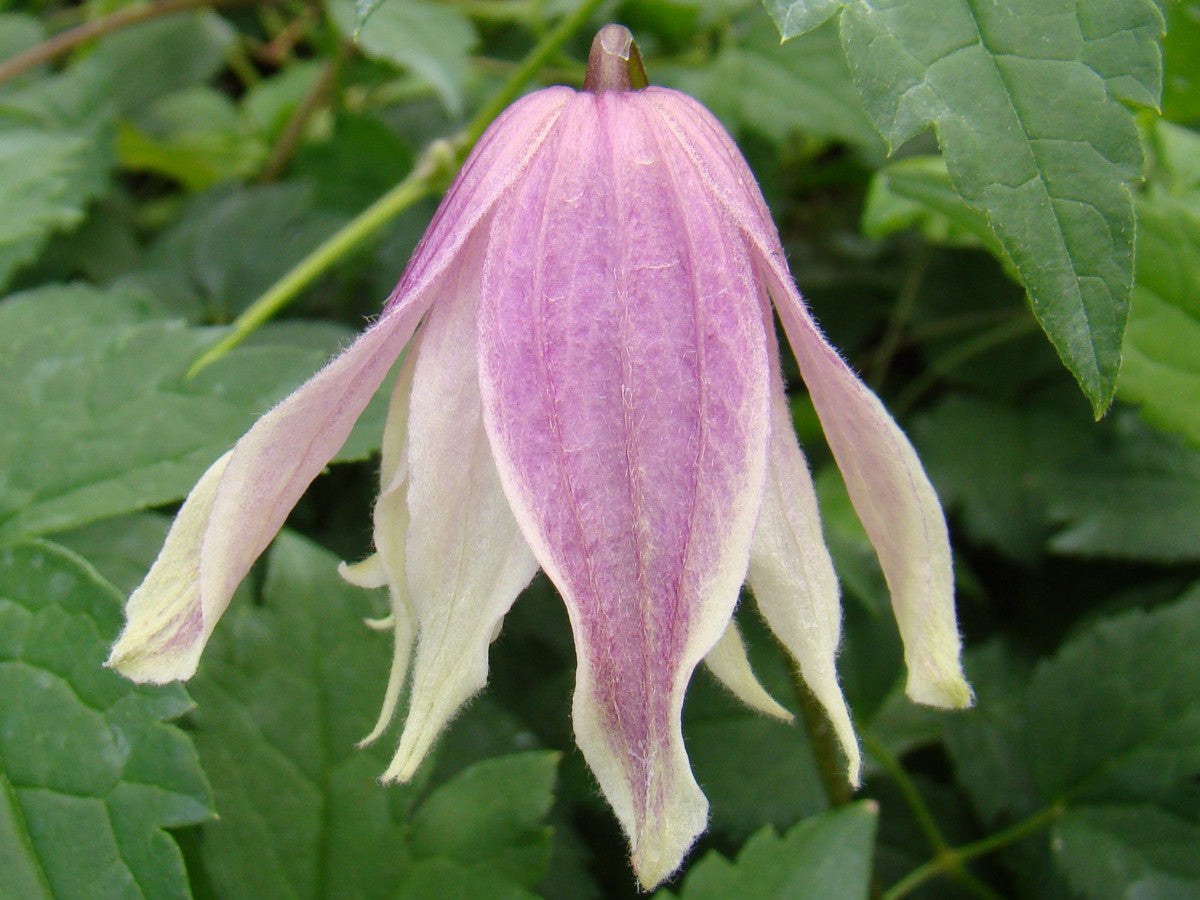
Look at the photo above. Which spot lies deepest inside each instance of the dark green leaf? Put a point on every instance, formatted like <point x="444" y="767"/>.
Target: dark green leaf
<point x="490" y="816"/>
<point x="101" y="417"/>
<point x="1026" y="98"/>
<point x="90" y="776"/>
<point x="287" y="687"/>
<point x="826" y="856"/>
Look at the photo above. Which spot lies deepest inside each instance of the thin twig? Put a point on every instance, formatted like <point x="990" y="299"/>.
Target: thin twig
<point x="317" y="96"/>
<point x="67" y="41"/>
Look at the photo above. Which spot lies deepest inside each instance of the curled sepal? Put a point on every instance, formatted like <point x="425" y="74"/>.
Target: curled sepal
<point x="792" y="575"/>
<point x="727" y="660"/>
<point x="466" y="560"/>
<point x="166" y="628"/>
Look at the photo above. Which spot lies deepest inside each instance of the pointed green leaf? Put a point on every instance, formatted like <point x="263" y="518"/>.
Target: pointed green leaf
<point x="1027" y="99"/>
<point x="90" y="776"/>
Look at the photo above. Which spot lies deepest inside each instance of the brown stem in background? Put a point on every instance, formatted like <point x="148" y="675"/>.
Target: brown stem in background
<point x="317" y="96"/>
<point x="67" y="41"/>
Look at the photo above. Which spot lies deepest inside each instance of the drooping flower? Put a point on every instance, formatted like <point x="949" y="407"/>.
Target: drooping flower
<point x="593" y="388"/>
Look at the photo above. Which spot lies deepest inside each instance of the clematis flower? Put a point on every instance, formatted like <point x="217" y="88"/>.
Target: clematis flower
<point x="593" y="388"/>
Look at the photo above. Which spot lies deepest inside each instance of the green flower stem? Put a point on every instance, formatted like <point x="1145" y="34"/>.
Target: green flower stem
<point x="956" y="858"/>
<point x="426" y="176"/>
<point x="831" y="764"/>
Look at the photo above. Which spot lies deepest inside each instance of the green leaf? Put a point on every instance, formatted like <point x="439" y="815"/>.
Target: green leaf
<point x="48" y="178"/>
<point x="432" y="41"/>
<point x="101" y="418"/>
<point x="286" y="688"/>
<point x="90" y="776"/>
<point x="1162" y="347"/>
<point x="1116" y="713"/>
<point x="1027" y="102"/>
<point x="826" y="856"/>
<point x="490" y="816"/>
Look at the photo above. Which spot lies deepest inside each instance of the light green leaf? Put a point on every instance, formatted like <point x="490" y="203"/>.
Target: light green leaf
<point x="1027" y="101"/>
<point x="826" y="856"/>
<point x="432" y="41"/>
<point x="916" y="192"/>
<point x="100" y="416"/>
<point x="90" y="776"/>
<point x="1162" y="347"/>
<point x="1181" y="61"/>
<point x="286" y="688"/>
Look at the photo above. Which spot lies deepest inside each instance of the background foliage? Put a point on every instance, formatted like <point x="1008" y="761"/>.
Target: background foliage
<point x="991" y="207"/>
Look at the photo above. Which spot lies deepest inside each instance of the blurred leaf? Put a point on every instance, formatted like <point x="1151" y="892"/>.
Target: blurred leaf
<point x="826" y="856"/>
<point x="997" y="466"/>
<point x="231" y="244"/>
<point x="1162" y="347"/>
<point x="48" y="177"/>
<point x="1135" y="495"/>
<point x="1027" y="99"/>
<point x="1181" y="61"/>
<point x="433" y="41"/>
<point x="101" y="418"/>
<point x="90" y="776"/>
<point x="125" y="72"/>
<point x="194" y="137"/>
<point x="802" y="87"/>
<point x="1130" y="852"/>
<point x="287" y="687"/>
<point x="121" y="549"/>
<point x="1115" y="715"/>
<point x="916" y="192"/>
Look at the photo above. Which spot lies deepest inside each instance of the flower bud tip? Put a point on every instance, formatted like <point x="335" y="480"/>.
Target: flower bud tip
<point x="614" y="63"/>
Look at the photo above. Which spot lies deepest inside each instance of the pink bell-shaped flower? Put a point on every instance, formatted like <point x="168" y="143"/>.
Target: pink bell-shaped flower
<point x="593" y="388"/>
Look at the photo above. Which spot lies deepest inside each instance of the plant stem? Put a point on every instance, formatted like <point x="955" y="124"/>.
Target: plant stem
<point x="826" y="751"/>
<point x="67" y="41"/>
<point x="955" y="857"/>
<point x="925" y="820"/>
<point x="418" y="184"/>
<point x="902" y="312"/>
<point x="293" y="132"/>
